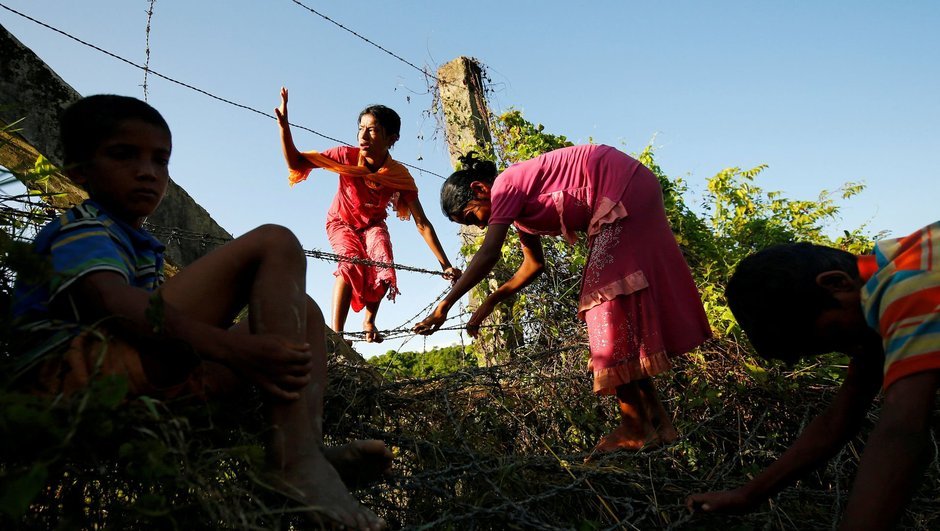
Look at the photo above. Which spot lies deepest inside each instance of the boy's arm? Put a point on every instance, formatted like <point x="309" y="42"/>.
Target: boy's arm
<point x="270" y="361"/>
<point x="821" y="439"/>
<point x="430" y="237"/>
<point x="895" y="456"/>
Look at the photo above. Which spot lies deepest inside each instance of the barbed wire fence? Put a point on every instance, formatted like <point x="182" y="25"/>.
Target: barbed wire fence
<point x="39" y="213"/>
<point x="503" y="446"/>
<point x="204" y="92"/>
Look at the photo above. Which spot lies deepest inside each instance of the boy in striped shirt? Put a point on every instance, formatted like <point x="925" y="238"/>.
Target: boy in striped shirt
<point x="883" y="310"/>
<point x="106" y="309"/>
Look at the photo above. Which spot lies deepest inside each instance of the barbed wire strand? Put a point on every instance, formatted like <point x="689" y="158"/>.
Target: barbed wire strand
<point x="192" y="87"/>
<point x="178" y="234"/>
<point x="366" y="39"/>
<point x="147" y="46"/>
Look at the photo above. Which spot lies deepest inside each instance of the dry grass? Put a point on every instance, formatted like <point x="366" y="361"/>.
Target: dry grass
<point x="488" y="448"/>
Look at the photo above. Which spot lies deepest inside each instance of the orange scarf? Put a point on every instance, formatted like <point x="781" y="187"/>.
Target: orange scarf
<point x="392" y="174"/>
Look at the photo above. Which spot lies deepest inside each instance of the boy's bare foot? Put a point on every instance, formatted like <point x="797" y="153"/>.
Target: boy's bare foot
<point x="316" y="484"/>
<point x="361" y="462"/>
<point x="372" y="335"/>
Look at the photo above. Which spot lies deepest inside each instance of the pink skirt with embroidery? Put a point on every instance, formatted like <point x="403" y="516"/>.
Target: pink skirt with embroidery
<point x="369" y="283"/>
<point x="638" y="298"/>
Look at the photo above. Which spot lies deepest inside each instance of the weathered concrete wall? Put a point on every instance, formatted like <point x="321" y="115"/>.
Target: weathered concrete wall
<point x="32" y="95"/>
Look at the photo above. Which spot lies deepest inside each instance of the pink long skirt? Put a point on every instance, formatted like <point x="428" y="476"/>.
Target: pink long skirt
<point x="638" y="298"/>
<point x="369" y="283"/>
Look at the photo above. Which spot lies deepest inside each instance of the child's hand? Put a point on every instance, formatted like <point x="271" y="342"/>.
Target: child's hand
<point x="725" y="501"/>
<point x="452" y="274"/>
<point x="281" y="112"/>
<point x="277" y="366"/>
<point x="481" y="313"/>
<point x="431" y="323"/>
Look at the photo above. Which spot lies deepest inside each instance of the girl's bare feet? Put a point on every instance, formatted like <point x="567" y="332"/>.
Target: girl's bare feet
<point x="360" y="462"/>
<point x="372" y="335"/>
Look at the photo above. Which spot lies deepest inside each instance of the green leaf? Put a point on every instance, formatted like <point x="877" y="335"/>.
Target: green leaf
<point x="18" y="492"/>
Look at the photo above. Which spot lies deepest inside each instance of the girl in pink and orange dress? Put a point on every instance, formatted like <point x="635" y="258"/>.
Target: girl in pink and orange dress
<point x="637" y="294"/>
<point x="369" y="182"/>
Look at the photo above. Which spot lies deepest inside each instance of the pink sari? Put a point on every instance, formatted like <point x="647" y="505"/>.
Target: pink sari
<point x="638" y="298"/>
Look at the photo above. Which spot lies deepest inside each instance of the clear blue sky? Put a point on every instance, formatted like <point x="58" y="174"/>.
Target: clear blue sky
<point x="823" y="92"/>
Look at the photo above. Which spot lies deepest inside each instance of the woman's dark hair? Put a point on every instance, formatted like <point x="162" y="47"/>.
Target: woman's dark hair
<point x="386" y="116"/>
<point x="88" y="122"/>
<point x="774" y="296"/>
<point x="456" y="192"/>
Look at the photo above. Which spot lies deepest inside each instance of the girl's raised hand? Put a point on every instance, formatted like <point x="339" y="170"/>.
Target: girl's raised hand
<point x="281" y="112"/>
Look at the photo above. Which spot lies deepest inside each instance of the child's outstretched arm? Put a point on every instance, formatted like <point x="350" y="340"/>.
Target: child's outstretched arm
<point x="292" y="156"/>
<point x="430" y="237"/>
<point x="270" y="361"/>
<point x="533" y="263"/>
<point x="821" y="439"/>
<point x="895" y="456"/>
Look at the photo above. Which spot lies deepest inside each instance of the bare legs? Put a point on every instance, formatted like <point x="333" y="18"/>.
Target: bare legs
<point x="265" y="269"/>
<point x="644" y="421"/>
<point x="368" y="324"/>
<point x="342" y="296"/>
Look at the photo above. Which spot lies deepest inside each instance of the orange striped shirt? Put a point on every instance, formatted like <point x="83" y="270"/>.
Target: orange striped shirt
<point x="901" y="300"/>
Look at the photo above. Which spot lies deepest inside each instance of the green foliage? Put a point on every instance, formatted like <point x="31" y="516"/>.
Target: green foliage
<point x="435" y="362"/>
<point x="18" y="224"/>
<point x="516" y="139"/>
<point x="744" y="218"/>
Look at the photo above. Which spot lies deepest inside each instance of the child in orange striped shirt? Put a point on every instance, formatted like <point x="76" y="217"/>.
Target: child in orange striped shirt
<point x="883" y="310"/>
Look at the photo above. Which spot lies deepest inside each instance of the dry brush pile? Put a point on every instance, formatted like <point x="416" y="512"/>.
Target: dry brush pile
<point x="485" y="448"/>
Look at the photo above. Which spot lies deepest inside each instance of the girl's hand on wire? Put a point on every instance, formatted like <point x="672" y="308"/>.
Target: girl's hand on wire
<point x="281" y="112"/>
<point x="452" y="274"/>
<point x="481" y="313"/>
<point x="431" y="323"/>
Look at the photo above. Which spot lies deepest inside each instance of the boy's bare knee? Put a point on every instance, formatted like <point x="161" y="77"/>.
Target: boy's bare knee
<point x="271" y="240"/>
<point x="276" y="236"/>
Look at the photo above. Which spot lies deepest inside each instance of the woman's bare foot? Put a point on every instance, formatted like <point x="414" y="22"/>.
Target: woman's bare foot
<point x="372" y="335"/>
<point x="314" y="483"/>
<point x="361" y="462"/>
<point x="624" y="440"/>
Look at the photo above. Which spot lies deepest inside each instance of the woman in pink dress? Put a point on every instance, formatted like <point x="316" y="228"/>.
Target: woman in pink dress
<point x="638" y="298"/>
<point x="369" y="182"/>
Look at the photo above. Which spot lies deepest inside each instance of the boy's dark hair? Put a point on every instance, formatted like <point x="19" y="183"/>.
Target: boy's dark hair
<point x="89" y="121"/>
<point x="386" y="116"/>
<point x="774" y="296"/>
<point x="456" y="192"/>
